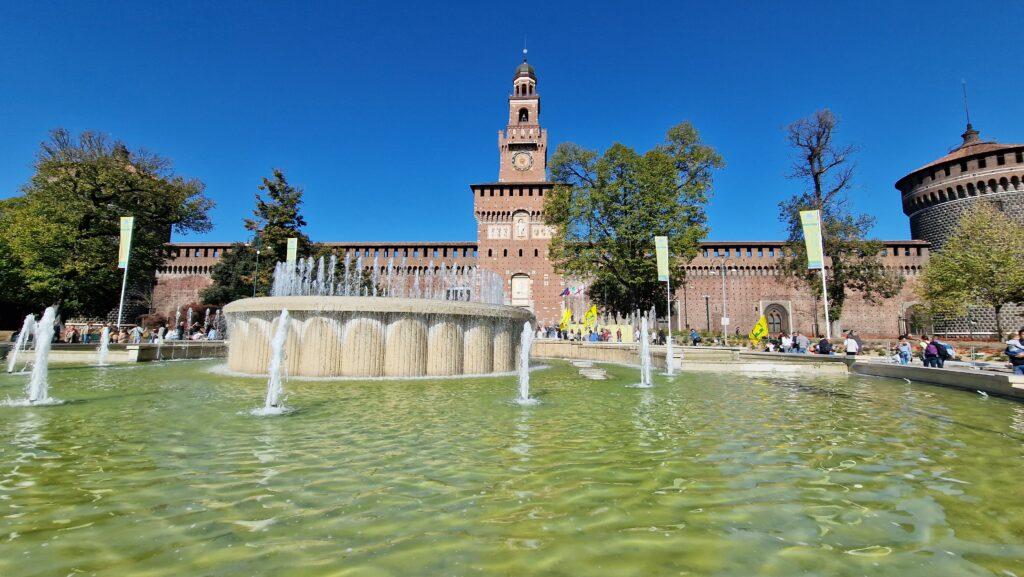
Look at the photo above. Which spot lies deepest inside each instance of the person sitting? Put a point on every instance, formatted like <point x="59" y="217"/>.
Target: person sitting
<point x="931" y="354"/>
<point x="851" y="345"/>
<point x="1015" y="352"/>
<point x="824" y="346"/>
<point x="786" y="345"/>
<point x="212" y="335"/>
<point x="802" y="343"/>
<point x="198" y="335"/>
<point x="694" y="337"/>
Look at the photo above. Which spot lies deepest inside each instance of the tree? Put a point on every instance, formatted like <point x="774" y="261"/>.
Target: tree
<point x="854" y="261"/>
<point x="977" y="265"/>
<point x="276" y="218"/>
<point x="63" y="231"/>
<point x="232" y="276"/>
<point x="607" y="209"/>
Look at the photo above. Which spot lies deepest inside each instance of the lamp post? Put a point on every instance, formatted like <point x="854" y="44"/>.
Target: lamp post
<point x="722" y="264"/>
<point x="256" y="271"/>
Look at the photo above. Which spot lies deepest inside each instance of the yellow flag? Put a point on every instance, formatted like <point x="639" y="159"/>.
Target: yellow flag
<point x="590" y="318"/>
<point x="566" y="317"/>
<point x="759" y="331"/>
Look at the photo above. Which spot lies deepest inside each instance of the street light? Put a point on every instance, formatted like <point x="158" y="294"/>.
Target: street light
<point x="722" y="263"/>
<point x="256" y="272"/>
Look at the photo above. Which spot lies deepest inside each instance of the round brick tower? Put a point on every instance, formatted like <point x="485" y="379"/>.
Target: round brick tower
<point x="937" y="194"/>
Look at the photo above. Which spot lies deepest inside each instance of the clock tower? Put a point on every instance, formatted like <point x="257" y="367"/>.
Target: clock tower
<point x="523" y="144"/>
<point x="512" y="237"/>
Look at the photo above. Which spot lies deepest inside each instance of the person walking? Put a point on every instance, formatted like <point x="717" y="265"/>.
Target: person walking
<point x="851" y="345"/>
<point x="1015" y="352"/>
<point x="136" y="335"/>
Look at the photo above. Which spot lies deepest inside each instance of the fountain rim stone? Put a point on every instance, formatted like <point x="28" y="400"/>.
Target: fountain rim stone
<point x="365" y="304"/>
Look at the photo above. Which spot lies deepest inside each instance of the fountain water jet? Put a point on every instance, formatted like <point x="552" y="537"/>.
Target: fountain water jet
<point x="21" y="344"/>
<point x="645" y="355"/>
<point x="104" y="349"/>
<point x="38" y="386"/>
<point x="525" y="343"/>
<point x="275" y="382"/>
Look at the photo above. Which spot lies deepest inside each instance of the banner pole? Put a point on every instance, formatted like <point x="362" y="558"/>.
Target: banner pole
<point x="669" y="361"/>
<point x="824" y="299"/>
<point x="124" y="284"/>
<point x="824" y="285"/>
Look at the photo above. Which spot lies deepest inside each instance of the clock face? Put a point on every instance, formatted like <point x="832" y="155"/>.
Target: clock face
<point x="522" y="160"/>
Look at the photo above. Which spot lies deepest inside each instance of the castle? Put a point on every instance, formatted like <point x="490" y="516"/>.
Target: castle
<point x="736" y="280"/>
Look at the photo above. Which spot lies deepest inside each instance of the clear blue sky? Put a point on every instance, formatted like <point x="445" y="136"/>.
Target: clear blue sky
<point x="385" y="112"/>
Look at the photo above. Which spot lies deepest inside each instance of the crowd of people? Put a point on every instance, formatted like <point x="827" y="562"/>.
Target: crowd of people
<point x="136" y="334"/>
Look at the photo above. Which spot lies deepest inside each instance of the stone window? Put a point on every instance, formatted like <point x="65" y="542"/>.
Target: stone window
<point x="963" y="167"/>
<point x="946" y="170"/>
<point x="524" y="115"/>
<point x="1020" y="157"/>
<point x="981" y="163"/>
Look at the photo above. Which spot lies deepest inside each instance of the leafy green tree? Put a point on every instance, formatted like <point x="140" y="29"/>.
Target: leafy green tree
<point x="63" y="231"/>
<point x="276" y="218"/>
<point x="607" y="208"/>
<point x="854" y="261"/>
<point x="978" y="265"/>
<point x="233" y="276"/>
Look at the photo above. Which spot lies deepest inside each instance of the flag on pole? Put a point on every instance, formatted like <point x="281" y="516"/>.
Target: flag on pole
<point x="811" y="222"/>
<point x="566" y="318"/>
<point x="127" y="223"/>
<point x="759" y="331"/>
<point x="590" y="318"/>
<point x="565" y="292"/>
<point x="293" y="250"/>
<point x="661" y="249"/>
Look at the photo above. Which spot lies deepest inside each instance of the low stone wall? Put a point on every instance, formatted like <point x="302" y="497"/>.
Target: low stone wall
<point x="376" y="336"/>
<point x="87" y="354"/>
<point x="1003" y="384"/>
<point x="618" y="353"/>
<point x="729" y="359"/>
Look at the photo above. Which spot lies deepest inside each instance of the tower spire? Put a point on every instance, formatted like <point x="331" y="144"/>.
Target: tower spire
<point x="970" y="135"/>
<point x="524" y="48"/>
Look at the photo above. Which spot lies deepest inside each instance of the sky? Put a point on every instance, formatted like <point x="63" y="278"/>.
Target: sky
<point x="385" y="113"/>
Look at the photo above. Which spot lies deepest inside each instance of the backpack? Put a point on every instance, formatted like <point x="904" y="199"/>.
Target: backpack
<point x="931" y="350"/>
<point x="945" y="351"/>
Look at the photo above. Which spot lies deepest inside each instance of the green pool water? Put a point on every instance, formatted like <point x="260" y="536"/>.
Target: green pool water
<point x="157" y="470"/>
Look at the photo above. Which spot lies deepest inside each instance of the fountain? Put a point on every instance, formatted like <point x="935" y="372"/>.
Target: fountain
<point x="21" y="344"/>
<point x="275" y="381"/>
<point x="447" y="320"/>
<point x="38" y="386"/>
<point x="525" y="343"/>
<point x="104" y="348"/>
<point x="645" y="355"/>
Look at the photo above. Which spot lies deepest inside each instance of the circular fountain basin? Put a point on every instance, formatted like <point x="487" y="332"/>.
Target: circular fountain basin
<point x="331" y="336"/>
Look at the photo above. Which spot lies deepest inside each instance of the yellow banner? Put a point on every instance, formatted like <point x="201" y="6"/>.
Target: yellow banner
<point x="661" y="249"/>
<point x="566" y="318"/>
<point x="811" y="222"/>
<point x="590" y="318"/>
<point x="293" y="249"/>
<point x="127" y="224"/>
<point x="759" y="331"/>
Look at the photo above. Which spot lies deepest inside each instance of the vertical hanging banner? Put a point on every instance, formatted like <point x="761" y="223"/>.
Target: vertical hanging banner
<point x="293" y="250"/>
<point x="127" y="224"/>
<point x="811" y="222"/>
<point x="661" y="249"/>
